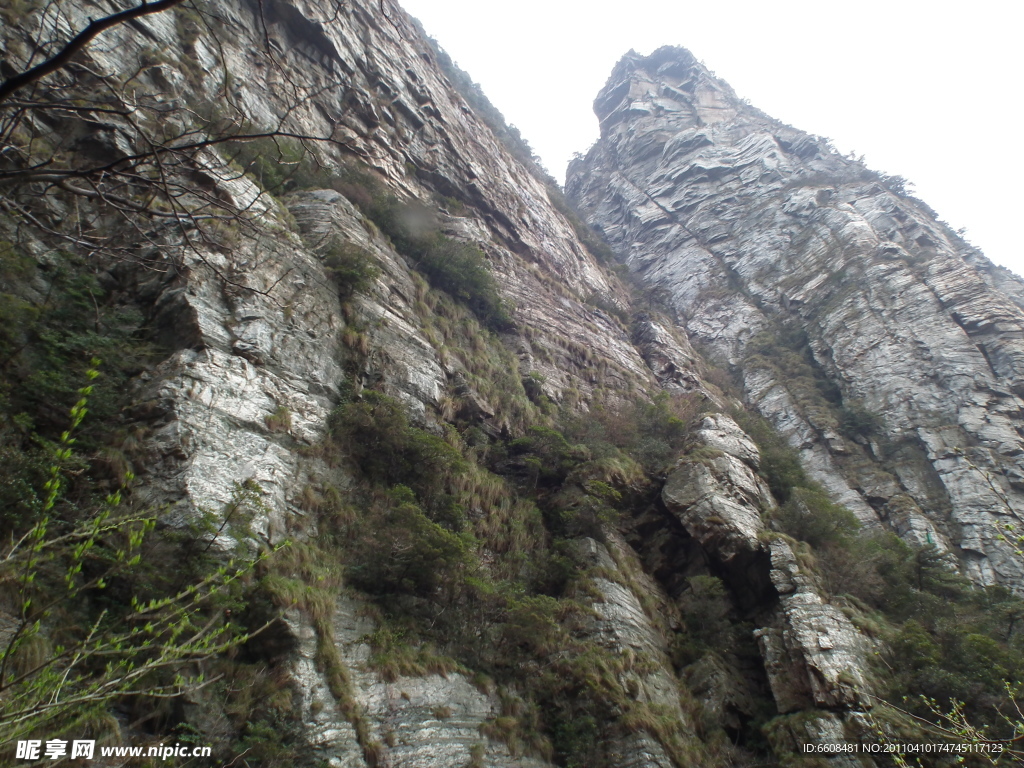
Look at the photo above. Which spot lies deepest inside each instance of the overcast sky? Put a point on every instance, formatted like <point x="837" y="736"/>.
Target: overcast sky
<point x="928" y="90"/>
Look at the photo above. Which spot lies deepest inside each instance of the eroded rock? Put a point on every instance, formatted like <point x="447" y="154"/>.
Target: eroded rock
<point x="814" y="656"/>
<point x="749" y="226"/>
<point x="715" y="492"/>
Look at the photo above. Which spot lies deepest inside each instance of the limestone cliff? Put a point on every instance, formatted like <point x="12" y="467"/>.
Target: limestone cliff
<point x="508" y="515"/>
<point x="755" y="230"/>
<point x="256" y="338"/>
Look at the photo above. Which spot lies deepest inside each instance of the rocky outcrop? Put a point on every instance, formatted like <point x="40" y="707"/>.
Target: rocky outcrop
<point x="745" y="225"/>
<point x="670" y="357"/>
<point x="263" y="343"/>
<point x="813" y="655"/>
<point x="435" y="721"/>
<point x="716" y="493"/>
<point x="328" y="729"/>
<point x="752" y="227"/>
<point x="623" y="626"/>
<point x="266" y="344"/>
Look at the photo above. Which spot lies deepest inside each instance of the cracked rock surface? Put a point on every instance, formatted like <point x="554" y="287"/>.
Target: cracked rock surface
<point x="751" y="226"/>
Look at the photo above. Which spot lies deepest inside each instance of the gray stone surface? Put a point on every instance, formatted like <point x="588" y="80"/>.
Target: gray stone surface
<point x="329" y="732"/>
<point x="748" y="224"/>
<point x="432" y="721"/>
<point x="716" y="493"/>
<point x="814" y="656"/>
<point x="745" y="222"/>
<point x="623" y="626"/>
<point x="719" y="432"/>
<point x="257" y="328"/>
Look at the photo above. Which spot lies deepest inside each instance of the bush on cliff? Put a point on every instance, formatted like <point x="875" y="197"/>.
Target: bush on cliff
<point x="458" y="268"/>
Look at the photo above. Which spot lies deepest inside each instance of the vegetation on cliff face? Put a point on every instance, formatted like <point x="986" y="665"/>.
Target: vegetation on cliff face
<point x="484" y="535"/>
<point x="930" y="618"/>
<point x="472" y="550"/>
<point x="457" y="268"/>
<point x="944" y="645"/>
<point x="90" y="617"/>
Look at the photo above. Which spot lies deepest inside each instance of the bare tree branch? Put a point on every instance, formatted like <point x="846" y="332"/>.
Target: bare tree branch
<point x="78" y="42"/>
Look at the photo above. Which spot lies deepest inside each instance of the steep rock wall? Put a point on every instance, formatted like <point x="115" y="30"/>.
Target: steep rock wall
<point x="262" y="347"/>
<point x="753" y="228"/>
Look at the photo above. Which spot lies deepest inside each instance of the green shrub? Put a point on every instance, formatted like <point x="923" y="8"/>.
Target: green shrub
<point x="401" y="550"/>
<point x="532" y="623"/>
<point x="24" y="473"/>
<point x="705" y="607"/>
<point x="857" y="421"/>
<point x="393" y="654"/>
<point x="809" y="515"/>
<point x="652" y="433"/>
<point x="46" y="346"/>
<point x="457" y="268"/>
<point x="276" y="735"/>
<point x="461" y="270"/>
<point x="576" y="740"/>
<point x="584" y="514"/>
<point x="608" y="306"/>
<point x="547" y="452"/>
<point x="358" y="185"/>
<point x="476" y="755"/>
<point x="390" y="451"/>
<point x="352" y="268"/>
<point x="662" y="427"/>
<point x="280" y="420"/>
<point x="279" y="164"/>
<point x="780" y="463"/>
<point x="913" y="644"/>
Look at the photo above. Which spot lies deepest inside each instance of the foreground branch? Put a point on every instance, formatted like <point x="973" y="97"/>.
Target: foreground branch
<point x="78" y="42"/>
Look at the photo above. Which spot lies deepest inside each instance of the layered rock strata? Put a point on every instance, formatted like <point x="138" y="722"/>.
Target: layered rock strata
<point x="753" y="229"/>
<point x="261" y="348"/>
<point x="814" y="657"/>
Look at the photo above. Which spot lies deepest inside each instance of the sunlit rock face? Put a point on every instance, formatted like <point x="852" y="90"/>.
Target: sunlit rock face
<point x="754" y="228"/>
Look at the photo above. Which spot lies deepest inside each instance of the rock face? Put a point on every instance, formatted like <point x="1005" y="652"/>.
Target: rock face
<point x="430" y="720"/>
<point x="814" y="657"/>
<point x="755" y="230"/>
<point x="749" y="227"/>
<point x="717" y="496"/>
<point x="263" y="344"/>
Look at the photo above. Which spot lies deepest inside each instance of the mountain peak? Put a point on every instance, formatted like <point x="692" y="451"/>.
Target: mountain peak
<point x="757" y="230"/>
<point x="668" y="81"/>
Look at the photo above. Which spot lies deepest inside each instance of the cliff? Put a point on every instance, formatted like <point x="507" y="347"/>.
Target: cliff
<point x="754" y="230"/>
<point x="492" y="506"/>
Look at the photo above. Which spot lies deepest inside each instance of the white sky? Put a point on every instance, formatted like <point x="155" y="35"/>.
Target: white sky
<point x="927" y="90"/>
